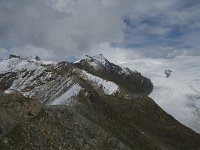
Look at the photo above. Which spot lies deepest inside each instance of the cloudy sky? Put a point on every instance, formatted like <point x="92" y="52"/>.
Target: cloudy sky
<point x="58" y="29"/>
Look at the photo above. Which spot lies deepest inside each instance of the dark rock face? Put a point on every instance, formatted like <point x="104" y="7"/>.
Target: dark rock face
<point x="7" y="80"/>
<point x="37" y="58"/>
<point x="168" y="73"/>
<point x="14" y="56"/>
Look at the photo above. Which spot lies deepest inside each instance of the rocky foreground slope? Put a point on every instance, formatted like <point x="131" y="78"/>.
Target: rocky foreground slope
<point x="92" y="104"/>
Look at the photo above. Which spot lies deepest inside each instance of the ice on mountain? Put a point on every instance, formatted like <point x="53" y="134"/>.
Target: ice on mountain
<point x="10" y="91"/>
<point x="68" y="95"/>
<point x="176" y="94"/>
<point x="108" y="87"/>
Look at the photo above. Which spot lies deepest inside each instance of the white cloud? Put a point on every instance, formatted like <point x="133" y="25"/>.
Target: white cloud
<point x="61" y="28"/>
<point x="28" y="50"/>
<point x="3" y="53"/>
<point x="184" y="52"/>
<point x="67" y="27"/>
<point x="115" y="55"/>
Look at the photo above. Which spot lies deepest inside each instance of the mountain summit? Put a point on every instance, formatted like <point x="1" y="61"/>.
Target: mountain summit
<point x="90" y="104"/>
<point x="131" y="81"/>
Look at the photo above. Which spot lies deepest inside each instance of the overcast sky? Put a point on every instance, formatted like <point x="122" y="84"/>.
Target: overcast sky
<point x="58" y="29"/>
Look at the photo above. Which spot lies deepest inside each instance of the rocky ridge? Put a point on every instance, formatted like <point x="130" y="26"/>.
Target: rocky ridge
<point x="92" y="104"/>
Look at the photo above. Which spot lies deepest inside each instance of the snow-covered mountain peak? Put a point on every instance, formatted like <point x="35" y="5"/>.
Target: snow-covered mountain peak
<point x="128" y="79"/>
<point x="17" y="64"/>
<point x="100" y="58"/>
<point x="34" y="58"/>
<point x="99" y="62"/>
<point x="96" y="61"/>
<point x="38" y="60"/>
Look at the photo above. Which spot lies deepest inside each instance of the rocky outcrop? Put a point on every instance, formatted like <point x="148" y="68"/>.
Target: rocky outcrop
<point x="15" y="109"/>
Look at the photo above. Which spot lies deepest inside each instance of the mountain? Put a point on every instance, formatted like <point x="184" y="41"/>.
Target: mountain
<point x="131" y="81"/>
<point x="179" y="94"/>
<point x="90" y="104"/>
<point x="50" y="83"/>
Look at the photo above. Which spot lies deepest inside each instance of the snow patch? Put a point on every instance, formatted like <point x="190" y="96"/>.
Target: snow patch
<point x="9" y="91"/>
<point x="195" y="85"/>
<point x="100" y="58"/>
<point x="126" y="71"/>
<point x="68" y="96"/>
<point x="18" y="65"/>
<point x="108" y="87"/>
<point x="95" y="61"/>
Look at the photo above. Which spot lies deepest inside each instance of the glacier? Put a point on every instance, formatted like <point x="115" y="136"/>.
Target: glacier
<point x="178" y="95"/>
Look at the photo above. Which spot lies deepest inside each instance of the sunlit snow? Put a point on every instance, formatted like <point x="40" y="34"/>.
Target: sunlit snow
<point x="179" y="95"/>
<point x="67" y="97"/>
<point x="108" y="87"/>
